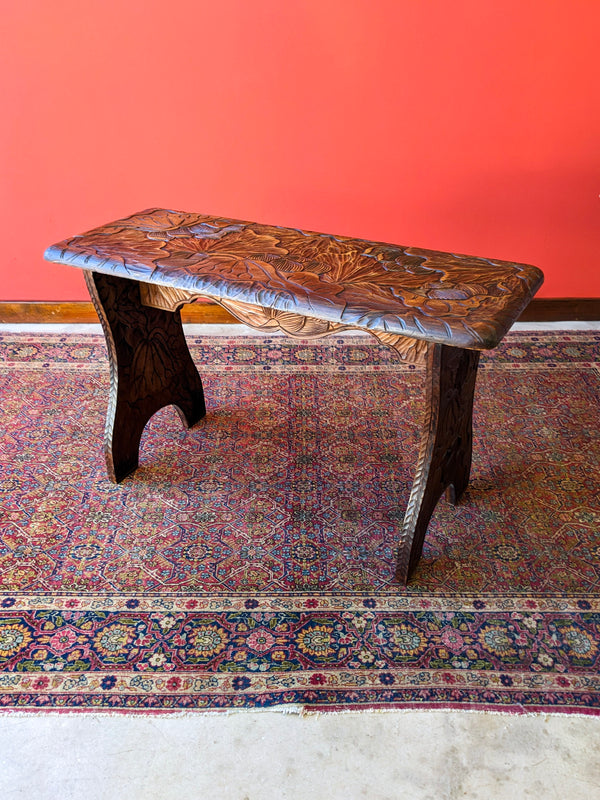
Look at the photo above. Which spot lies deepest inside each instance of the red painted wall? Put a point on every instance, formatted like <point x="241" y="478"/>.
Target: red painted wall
<point x="471" y="125"/>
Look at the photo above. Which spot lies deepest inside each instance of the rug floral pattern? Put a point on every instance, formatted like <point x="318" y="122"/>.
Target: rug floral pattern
<point x="249" y="562"/>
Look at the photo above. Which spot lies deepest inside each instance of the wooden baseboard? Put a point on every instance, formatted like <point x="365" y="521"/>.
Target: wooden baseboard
<point x="539" y="310"/>
<point x="80" y="311"/>
<point x="562" y="309"/>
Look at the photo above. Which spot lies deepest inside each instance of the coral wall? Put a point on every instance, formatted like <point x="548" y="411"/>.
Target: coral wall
<point x="471" y="126"/>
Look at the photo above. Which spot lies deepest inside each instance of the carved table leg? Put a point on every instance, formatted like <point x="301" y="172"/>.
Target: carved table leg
<point x="444" y="461"/>
<point x="150" y="367"/>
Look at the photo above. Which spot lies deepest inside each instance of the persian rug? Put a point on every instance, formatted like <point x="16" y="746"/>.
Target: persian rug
<point x="249" y="562"/>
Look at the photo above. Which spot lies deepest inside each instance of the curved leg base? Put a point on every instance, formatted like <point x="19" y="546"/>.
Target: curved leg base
<point x="150" y="367"/>
<point x="444" y="462"/>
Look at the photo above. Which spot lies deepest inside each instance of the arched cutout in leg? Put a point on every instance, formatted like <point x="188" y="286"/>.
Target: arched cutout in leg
<point x="150" y="367"/>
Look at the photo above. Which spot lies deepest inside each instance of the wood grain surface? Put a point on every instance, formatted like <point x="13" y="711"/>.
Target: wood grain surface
<point x="465" y="301"/>
<point x="150" y="367"/>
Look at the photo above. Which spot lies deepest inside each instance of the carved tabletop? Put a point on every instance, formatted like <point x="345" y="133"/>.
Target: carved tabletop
<point x="422" y="303"/>
<point x="451" y="299"/>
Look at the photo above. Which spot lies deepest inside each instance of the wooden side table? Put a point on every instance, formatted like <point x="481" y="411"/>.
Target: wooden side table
<point x="424" y="304"/>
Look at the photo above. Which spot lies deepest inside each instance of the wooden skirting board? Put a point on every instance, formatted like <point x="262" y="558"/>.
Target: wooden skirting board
<point x="539" y="310"/>
<point x="80" y="311"/>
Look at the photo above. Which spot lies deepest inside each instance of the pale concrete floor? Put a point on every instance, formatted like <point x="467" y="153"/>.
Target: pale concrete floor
<point x="271" y="755"/>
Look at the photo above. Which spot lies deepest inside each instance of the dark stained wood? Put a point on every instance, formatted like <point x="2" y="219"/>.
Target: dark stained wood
<point x="150" y="367"/>
<point x="141" y="269"/>
<point x="448" y="298"/>
<point x="562" y="309"/>
<point x="444" y="462"/>
<point x="268" y="319"/>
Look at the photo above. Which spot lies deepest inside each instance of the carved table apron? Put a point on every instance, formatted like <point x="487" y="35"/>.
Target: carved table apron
<point x="424" y="304"/>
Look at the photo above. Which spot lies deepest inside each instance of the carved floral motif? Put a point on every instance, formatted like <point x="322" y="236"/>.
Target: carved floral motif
<point x="306" y="284"/>
<point x="440" y="297"/>
<point x="297" y="325"/>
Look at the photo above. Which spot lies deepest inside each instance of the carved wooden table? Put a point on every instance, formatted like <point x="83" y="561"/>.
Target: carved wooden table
<point x="424" y="304"/>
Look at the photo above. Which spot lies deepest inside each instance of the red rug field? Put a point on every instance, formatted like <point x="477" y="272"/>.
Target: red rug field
<point x="249" y="561"/>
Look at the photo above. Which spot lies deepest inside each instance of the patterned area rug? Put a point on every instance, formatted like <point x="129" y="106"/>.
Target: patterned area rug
<point x="249" y="562"/>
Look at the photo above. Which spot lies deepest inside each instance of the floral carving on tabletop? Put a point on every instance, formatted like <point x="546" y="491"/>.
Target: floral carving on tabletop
<point x="385" y="287"/>
<point x="234" y="246"/>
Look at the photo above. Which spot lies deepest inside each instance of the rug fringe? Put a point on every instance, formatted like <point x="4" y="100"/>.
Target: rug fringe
<point x="302" y="712"/>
